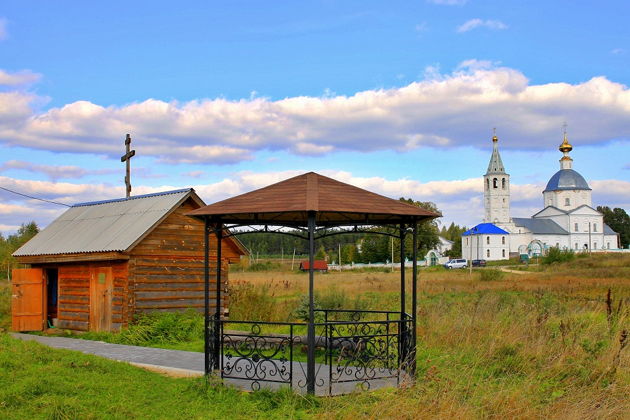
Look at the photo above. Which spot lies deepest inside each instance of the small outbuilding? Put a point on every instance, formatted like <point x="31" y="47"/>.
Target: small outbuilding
<point x="318" y="265"/>
<point x="100" y="263"/>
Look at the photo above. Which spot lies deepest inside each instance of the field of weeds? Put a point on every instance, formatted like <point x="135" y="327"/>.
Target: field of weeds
<point x="550" y="342"/>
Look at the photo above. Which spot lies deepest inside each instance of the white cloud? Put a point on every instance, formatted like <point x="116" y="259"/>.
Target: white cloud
<point x="19" y="78"/>
<point x="478" y="23"/>
<point x="617" y="51"/>
<point x="4" y="34"/>
<point x="443" y="110"/>
<point x="461" y="201"/>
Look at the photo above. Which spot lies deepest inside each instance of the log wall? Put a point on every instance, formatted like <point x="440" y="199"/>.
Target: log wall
<point x="166" y="269"/>
<point x="74" y="294"/>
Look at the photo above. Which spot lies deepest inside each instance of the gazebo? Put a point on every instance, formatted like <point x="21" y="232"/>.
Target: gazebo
<point x="344" y="348"/>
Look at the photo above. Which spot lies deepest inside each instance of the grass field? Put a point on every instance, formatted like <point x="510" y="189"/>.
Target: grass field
<point x="549" y="343"/>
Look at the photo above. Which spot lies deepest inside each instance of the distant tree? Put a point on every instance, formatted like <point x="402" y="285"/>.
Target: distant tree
<point x="454" y="233"/>
<point x="12" y="242"/>
<point x="427" y="230"/>
<point x="619" y="221"/>
<point x="321" y="254"/>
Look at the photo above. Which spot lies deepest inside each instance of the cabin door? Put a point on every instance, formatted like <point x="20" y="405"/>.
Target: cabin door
<point x="27" y="299"/>
<point x="101" y="290"/>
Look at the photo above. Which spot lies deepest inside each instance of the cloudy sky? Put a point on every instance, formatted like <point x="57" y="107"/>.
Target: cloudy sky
<point x="398" y="97"/>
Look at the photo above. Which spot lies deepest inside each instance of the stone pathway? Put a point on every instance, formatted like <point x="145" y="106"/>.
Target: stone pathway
<point x="188" y="363"/>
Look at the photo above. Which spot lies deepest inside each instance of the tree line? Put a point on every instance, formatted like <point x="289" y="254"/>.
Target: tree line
<point x="11" y="243"/>
<point x="371" y="247"/>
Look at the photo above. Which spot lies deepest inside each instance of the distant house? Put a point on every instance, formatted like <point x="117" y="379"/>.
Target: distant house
<point x="100" y="263"/>
<point x="318" y="265"/>
<point x="444" y="245"/>
<point x="486" y="241"/>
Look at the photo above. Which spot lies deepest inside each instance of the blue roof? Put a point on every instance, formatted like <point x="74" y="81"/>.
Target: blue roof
<point x="117" y="200"/>
<point x="566" y="179"/>
<point x="485" y="229"/>
<point x="608" y="230"/>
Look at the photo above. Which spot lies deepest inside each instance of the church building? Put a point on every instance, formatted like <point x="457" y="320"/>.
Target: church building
<point x="567" y="221"/>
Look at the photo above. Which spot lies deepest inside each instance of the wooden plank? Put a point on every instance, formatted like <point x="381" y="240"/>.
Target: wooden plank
<point x="52" y="259"/>
<point x="27" y="299"/>
<point x="170" y="295"/>
<point x="74" y="315"/>
<point x="73" y="324"/>
<point x="180" y="303"/>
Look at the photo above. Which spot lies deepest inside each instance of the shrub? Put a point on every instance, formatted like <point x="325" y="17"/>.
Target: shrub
<point x="557" y="255"/>
<point x="491" y="275"/>
<point x="264" y="266"/>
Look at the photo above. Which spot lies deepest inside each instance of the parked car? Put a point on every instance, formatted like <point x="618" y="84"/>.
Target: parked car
<point x="478" y="263"/>
<point x="459" y="263"/>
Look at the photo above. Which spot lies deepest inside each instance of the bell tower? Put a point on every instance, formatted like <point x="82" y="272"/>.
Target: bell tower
<point x="496" y="189"/>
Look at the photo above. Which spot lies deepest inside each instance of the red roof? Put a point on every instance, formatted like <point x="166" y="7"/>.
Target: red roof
<point x="317" y="265"/>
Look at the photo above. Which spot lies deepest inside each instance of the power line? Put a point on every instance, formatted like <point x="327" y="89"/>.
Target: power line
<point x="35" y="198"/>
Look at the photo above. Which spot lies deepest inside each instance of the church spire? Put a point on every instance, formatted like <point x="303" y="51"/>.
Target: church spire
<point x="496" y="164"/>
<point x="565" y="162"/>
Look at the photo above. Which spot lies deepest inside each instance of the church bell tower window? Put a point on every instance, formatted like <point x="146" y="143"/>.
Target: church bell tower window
<point x="567" y="201"/>
<point x="503" y="183"/>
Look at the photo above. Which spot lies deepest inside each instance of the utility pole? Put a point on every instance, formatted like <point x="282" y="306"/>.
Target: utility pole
<point x="340" y="257"/>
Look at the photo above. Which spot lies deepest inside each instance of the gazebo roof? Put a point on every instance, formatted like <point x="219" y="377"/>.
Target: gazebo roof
<point x="334" y="203"/>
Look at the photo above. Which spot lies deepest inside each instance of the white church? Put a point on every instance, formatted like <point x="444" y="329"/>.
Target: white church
<point x="567" y="221"/>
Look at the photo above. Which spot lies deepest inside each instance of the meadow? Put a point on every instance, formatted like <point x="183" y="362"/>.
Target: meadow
<point x="547" y="342"/>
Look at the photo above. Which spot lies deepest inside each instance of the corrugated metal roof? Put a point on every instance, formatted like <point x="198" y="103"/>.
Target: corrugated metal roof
<point x="485" y="229"/>
<point x="103" y="226"/>
<point x="540" y="226"/>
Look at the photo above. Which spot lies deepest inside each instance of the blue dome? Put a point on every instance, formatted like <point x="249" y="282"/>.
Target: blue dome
<point x="566" y="179"/>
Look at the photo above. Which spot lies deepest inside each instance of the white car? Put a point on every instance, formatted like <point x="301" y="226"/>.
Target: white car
<point x="460" y="263"/>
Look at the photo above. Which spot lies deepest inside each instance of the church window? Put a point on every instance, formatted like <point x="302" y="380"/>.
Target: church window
<point x="487" y="183"/>
<point x="567" y="201"/>
<point x="495" y="183"/>
<point x="503" y="253"/>
<point x="503" y="240"/>
<point x="466" y="241"/>
<point x="503" y="183"/>
<point x="576" y="227"/>
<point x="488" y="252"/>
<point x="594" y="227"/>
<point x="558" y="245"/>
<point x="488" y="240"/>
<point x="608" y="245"/>
<point x="594" y="245"/>
<point x="576" y="245"/>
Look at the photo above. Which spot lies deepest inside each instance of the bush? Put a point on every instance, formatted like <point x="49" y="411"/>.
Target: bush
<point x="491" y="275"/>
<point x="557" y="255"/>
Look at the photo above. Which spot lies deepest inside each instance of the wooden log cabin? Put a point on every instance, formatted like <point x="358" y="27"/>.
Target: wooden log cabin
<point x="100" y="263"/>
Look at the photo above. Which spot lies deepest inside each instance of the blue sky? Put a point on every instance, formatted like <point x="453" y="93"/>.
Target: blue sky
<point x="399" y="97"/>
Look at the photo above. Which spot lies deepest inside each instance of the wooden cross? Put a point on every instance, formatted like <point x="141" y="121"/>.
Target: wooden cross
<point x="127" y="158"/>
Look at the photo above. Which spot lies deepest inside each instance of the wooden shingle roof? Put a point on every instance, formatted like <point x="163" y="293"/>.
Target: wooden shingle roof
<point x="334" y="203"/>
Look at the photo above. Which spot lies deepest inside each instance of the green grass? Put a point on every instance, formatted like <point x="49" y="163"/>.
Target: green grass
<point x="41" y="383"/>
<point x="538" y="345"/>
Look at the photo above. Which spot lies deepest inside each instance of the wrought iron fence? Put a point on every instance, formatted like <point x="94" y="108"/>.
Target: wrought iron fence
<point x="365" y="348"/>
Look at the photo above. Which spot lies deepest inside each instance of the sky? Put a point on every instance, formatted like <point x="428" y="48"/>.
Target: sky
<point x="398" y="97"/>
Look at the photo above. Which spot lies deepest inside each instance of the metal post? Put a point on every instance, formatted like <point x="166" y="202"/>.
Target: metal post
<point x="310" y="358"/>
<point x="206" y="296"/>
<point x="402" y="270"/>
<point x="217" y="316"/>
<point x="403" y="326"/>
<point x="414" y="300"/>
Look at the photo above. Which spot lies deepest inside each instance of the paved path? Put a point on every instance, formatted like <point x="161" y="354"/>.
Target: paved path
<point x="188" y="363"/>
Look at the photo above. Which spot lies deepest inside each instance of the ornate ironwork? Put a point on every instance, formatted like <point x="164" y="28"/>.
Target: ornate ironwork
<point x="360" y="347"/>
<point x="256" y="356"/>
